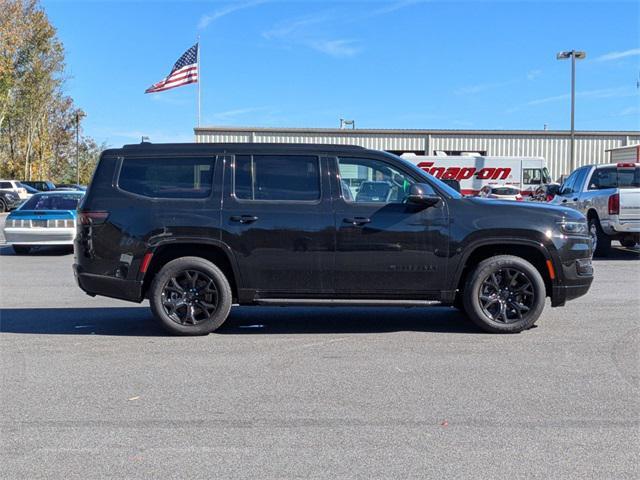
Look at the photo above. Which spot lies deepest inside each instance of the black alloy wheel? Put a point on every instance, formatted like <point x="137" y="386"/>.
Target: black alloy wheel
<point x="506" y="295"/>
<point x="190" y="297"/>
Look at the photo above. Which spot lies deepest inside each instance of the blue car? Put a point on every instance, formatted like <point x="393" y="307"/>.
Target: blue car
<point x="47" y="218"/>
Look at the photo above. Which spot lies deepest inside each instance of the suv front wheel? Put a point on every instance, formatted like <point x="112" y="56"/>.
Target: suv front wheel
<point x="504" y="294"/>
<point x="190" y="296"/>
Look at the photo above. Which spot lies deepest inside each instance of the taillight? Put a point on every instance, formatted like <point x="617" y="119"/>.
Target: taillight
<point x="614" y="204"/>
<point x="626" y="165"/>
<point x="92" y="218"/>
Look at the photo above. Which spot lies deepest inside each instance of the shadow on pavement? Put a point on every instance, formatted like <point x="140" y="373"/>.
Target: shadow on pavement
<point x="54" y="251"/>
<point x="621" y="253"/>
<point x="138" y="321"/>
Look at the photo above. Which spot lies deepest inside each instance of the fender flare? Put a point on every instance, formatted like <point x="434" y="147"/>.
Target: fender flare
<point x="200" y="241"/>
<point x="498" y="240"/>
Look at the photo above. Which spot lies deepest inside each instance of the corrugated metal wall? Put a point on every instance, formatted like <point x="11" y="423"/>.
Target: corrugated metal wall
<point x="553" y="147"/>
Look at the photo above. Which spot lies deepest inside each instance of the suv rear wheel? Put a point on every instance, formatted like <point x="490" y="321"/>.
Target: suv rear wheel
<point x="504" y="294"/>
<point x="190" y="296"/>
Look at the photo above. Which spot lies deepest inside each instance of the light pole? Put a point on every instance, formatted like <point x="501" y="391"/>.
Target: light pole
<point x="573" y="54"/>
<point x="79" y="115"/>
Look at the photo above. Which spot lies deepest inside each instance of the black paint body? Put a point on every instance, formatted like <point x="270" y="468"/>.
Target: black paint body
<point x="312" y="250"/>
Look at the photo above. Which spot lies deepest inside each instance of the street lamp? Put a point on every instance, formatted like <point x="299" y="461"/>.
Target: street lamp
<point x="79" y="115"/>
<point x="573" y="54"/>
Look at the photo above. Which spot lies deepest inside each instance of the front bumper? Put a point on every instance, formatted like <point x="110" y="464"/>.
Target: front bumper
<point x="574" y="281"/>
<point x="39" y="236"/>
<point x="93" y="285"/>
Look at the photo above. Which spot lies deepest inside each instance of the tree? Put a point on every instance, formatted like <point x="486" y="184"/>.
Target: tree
<point x="37" y="120"/>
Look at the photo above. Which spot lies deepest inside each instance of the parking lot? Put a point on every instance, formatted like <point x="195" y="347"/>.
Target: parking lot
<point x="92" y="388"/>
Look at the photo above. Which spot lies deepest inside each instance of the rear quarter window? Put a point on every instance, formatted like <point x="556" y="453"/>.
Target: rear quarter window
<point x="167" y="177"/>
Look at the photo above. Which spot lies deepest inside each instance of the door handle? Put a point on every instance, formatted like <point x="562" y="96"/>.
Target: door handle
<point x="357" y="220"/>
<point x="243" y="218"/>
<point x="575" y="199"/>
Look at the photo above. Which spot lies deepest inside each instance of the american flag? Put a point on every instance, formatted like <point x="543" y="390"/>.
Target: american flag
<point x="184" y="71"/>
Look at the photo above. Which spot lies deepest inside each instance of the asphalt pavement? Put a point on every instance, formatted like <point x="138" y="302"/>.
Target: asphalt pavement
<point x="92" y="388"/>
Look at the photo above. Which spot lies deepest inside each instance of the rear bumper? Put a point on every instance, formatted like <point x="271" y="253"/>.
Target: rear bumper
<point x="611" y="227"/>
<point x="93" y="285"/>
<point x="39" y="236"/>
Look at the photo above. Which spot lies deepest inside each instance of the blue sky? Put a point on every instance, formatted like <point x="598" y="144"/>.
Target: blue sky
<point x="386" y="64"/>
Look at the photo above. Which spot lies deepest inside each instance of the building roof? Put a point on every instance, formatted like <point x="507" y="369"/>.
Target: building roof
<point x="635" y="145"/>
<point x="382" y="131"/>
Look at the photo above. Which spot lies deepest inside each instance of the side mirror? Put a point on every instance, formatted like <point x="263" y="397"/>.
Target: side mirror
<point x="422" y="194"/>
<point x="553" y="189"/>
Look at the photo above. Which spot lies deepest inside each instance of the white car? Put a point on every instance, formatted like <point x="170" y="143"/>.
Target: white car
<point x="500" y="192"/>
<point x="15" y="187"/>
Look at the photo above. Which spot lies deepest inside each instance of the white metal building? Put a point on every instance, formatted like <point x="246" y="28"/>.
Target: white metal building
<point x="591" y="146"/>
<point x="629" y="153"/>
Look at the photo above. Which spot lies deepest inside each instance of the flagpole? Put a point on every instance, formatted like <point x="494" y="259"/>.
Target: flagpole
<point x="199" y="82"/>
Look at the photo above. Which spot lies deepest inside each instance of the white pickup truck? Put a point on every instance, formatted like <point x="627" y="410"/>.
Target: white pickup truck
<point x="609" y="196"/>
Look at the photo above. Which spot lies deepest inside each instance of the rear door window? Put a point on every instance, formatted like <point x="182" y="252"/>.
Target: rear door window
<point x="167" y="177"/>
<point x="277" y="177"/>
<point x="613" y="177"/>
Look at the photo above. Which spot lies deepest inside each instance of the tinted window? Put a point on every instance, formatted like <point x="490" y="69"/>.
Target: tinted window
<point x="567" y="186"/>
<point x="167" y="177"/>
<point x="6" y="185"/>
<point x="52" y="202"/>
<point x="277" y="177"/>
<point x="613" y="177"/>
<point x="365" y="180"/>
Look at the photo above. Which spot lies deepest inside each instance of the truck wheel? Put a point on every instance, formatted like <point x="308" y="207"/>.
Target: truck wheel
<point x="601" y="241"/>
<point x="21" y="249"/>
<point x="504" y="294"/>
<point x="628" y="242"/>
<point x="190" y="296"/>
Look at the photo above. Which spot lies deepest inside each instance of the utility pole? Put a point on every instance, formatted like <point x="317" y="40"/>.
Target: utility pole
<point x="573" y="54"/>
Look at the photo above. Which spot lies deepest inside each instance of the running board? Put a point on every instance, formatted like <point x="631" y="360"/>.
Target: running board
<point x="332" y="302"/>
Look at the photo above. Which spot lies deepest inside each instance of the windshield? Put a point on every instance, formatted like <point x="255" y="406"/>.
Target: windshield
<point x="46" y="201"/>
<point x="434" y="181"/>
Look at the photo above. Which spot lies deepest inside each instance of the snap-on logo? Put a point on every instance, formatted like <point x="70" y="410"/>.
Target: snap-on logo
<point x="463" y="173"/>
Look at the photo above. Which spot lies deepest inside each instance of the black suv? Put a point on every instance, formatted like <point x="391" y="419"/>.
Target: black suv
<point x="196" y="228"/>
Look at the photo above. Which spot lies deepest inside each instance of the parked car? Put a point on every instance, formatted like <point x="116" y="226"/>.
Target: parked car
<point x="9" y="200"/>
<point x="30" y="190"/>
<point x="40" y="185"/>
<point x="609" y="196"/>
<point x="500" y="193"/>
<point x="196" y="228"/>
<point x="47" y="218"/>
<point x="15" y="187"/>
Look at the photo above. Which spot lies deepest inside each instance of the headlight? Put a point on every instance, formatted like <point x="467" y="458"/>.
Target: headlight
<point x="574" y="228"/>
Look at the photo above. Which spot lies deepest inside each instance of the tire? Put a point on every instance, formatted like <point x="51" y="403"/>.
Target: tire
<point x="602" y="240"/>
<point x="3" y="206"/>
<point x="177" y="300"/>
<point x="508" y="273"/>
<point x="628" y="242"/>
<point x="21" y="249"/>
